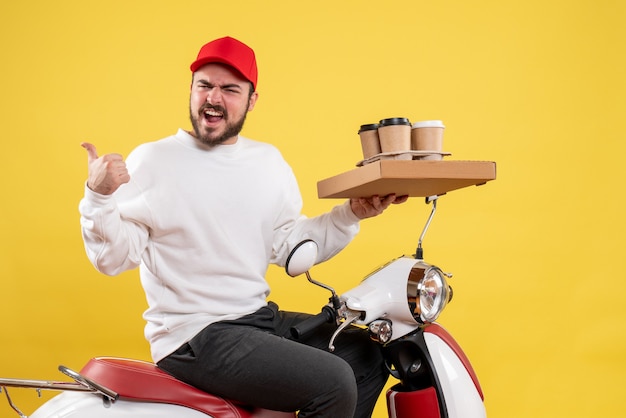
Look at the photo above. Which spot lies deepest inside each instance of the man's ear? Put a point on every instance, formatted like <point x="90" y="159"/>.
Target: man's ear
<point x="252" y="101"/>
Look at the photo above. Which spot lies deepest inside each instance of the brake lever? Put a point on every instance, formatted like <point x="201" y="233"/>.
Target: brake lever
<point x="347" y="322"/>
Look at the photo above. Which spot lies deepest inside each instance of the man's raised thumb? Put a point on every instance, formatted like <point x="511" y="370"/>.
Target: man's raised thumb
<point x="92" y="153"/>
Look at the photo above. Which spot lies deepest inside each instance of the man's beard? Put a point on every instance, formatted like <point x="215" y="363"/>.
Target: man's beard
<point x="207" y="138"/>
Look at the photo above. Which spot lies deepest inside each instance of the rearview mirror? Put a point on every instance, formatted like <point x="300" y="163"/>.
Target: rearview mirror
<point x="301" y="258"/>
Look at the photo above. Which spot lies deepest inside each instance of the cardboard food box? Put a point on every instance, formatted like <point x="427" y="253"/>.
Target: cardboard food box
<point x="407" y="177"/>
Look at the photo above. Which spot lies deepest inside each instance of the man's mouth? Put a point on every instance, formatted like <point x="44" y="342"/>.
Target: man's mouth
<point x="213" y="115"/>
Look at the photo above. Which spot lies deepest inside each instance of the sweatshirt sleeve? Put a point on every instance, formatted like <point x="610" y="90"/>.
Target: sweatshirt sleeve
<point x="113" y="244"/>
<point x="332" y="231"/>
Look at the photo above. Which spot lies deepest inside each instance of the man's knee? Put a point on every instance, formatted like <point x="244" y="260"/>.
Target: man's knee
<point x="338" y="394"/>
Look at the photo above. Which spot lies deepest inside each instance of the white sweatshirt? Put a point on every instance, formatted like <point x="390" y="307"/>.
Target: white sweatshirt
<point x="203" y="225"/>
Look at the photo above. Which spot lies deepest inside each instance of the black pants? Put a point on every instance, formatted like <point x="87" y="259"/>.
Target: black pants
<point x="254" y="360"/>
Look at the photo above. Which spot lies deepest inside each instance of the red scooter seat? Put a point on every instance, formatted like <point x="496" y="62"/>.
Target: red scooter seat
<point x="144" y="381"/>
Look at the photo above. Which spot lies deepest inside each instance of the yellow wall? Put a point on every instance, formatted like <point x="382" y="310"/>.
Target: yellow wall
<point x="537" y="86"/>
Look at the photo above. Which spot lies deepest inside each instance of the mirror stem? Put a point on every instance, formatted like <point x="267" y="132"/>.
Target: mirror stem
<point x="419" y="253"/>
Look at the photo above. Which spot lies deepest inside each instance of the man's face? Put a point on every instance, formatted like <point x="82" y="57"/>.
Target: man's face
<point x="219" y="101"/>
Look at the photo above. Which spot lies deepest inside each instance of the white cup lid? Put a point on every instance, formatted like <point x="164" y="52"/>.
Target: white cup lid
<point x="428" y="124"/>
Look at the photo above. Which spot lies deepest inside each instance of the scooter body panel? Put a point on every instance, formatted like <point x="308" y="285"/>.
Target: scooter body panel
<point x="421" y="403"/>
<point x="88" y="405"/>
<point x="436" y="377"/>
<point x="461" y="394"/>
<point x="383" y="294"/>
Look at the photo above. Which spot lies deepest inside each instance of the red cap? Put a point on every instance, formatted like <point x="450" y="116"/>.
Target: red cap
<point x="231" y="52"/>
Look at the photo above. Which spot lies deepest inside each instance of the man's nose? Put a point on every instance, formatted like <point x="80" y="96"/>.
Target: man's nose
<point x="214" y="96"/>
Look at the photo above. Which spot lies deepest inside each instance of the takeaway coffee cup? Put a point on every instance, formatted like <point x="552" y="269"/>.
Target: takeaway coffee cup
<point x="395" y="137"/>
<point x="428" y="136"/>
<point x="369" y="140"/>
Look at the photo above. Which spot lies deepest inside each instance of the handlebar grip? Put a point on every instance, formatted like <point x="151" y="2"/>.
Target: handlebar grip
<point x="308" y="325"/>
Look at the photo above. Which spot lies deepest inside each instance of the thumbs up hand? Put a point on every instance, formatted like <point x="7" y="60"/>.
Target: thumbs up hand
<point x="106" y="173"/>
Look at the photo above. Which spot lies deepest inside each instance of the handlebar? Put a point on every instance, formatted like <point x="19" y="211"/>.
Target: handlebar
<point x="305" y="327"/>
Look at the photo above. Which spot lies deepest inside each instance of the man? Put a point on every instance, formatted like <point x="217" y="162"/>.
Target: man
<point x="202" y="214"/>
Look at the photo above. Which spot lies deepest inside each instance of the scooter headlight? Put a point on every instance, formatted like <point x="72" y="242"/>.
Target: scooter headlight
<point x="428" y="292"/>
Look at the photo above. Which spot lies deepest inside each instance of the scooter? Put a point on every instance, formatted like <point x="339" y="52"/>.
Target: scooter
<point x="398" y="303"/>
